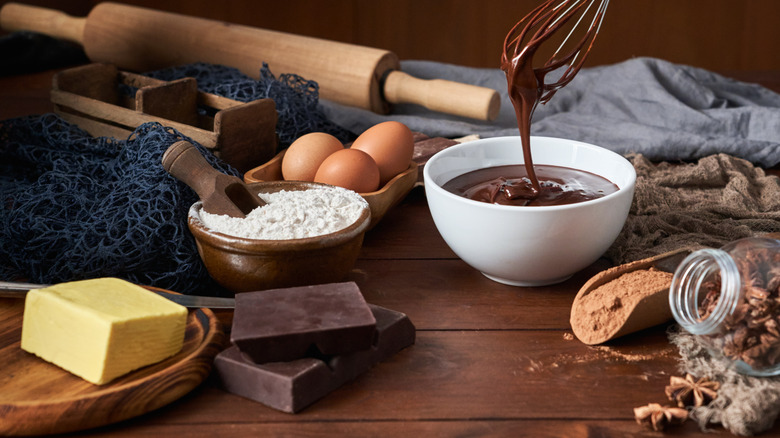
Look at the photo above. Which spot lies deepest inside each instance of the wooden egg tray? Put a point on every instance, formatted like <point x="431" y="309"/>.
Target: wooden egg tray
<point x="242" y="134"/>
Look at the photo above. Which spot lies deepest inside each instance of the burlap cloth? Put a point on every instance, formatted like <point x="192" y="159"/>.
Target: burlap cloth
<point x="711" y="202"/>
<point x="745" y="405"/>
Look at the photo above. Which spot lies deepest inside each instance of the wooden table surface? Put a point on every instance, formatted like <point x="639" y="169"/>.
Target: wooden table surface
<point x="489" y="360"/>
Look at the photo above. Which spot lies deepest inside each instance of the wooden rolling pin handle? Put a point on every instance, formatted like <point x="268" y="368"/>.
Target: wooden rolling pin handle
<point x="57" y="24"/>
<point x="441" y="95"/>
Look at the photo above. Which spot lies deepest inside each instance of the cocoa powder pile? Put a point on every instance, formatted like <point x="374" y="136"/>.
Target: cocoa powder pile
<point x="607" y="311"/>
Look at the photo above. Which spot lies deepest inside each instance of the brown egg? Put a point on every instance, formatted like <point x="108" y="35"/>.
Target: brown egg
<point x="349" y="168"/>
<point x="304" y="155"/>
<point x="391" y="145"/>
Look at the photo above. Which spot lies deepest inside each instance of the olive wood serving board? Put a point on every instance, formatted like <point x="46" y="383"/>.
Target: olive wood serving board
<point x="40" y="398"/>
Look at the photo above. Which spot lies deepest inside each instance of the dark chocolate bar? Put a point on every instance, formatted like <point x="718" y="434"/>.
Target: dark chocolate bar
<point x="278" y="325"/>
<point x="426" y="148"/>
<point x="293" y="385"/>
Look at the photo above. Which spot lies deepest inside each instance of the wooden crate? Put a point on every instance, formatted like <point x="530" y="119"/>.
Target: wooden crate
<point x="242" y="134"/>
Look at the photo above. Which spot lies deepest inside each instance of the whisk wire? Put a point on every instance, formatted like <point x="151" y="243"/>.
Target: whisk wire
<point x="541" y="23"/>
<point x="549" y="14"/>
<point x="577" y="3"/>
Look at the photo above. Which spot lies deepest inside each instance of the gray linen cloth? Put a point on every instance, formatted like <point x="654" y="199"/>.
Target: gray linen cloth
<point x="661" y="110"/>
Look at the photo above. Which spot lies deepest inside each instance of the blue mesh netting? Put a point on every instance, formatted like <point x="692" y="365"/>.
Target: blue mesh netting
<point x="80" y="207"/>
<point x="75" y="206"/>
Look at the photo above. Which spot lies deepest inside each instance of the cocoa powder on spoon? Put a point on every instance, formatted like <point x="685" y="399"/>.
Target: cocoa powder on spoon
<point x="625" y="299"/>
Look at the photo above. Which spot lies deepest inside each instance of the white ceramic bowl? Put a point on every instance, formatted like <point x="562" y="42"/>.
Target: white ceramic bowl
<point x="528" y="246"/>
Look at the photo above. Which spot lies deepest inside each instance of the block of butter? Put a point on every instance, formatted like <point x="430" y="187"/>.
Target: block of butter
<point x="101" y="329"/>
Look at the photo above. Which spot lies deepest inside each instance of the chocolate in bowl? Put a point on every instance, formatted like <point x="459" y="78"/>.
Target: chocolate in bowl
<point x="511" y="185"/>
<point x="524" y="245"/>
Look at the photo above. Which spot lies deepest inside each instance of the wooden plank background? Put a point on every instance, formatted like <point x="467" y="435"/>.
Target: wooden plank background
<point x="720" y="35"/>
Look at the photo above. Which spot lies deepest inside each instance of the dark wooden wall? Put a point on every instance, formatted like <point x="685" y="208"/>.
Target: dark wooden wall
<point x="722" y="35"/>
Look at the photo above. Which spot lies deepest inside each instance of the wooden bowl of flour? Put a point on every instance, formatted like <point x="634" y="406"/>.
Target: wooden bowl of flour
<point x="245" y="264"/>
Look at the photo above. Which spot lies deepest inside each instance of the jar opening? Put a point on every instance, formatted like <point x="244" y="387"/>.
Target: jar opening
<point x="705" y="290"/>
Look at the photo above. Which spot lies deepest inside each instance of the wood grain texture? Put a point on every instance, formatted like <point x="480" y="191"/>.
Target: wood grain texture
<point x="145" y="39"/>
<point x="540" y="427"/>
<point x="38" y="397"/>
<point x="713" y="34"/>
<point x="491" y="360"/>
<point x="526" y="375"/>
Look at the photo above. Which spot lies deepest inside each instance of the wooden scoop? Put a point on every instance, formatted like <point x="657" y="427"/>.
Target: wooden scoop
<point x="219" y="192"/>
<point x="645" y="308"/>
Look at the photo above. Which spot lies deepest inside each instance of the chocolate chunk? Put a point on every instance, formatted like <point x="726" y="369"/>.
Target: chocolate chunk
<point x="426" y="148"/>
<point x="286" y="324"/>
<point x="294" y="385"/>
<point x="418" y="136"/>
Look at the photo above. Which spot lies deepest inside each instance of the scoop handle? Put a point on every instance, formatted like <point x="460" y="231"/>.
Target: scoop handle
<point x="187" y="164"/>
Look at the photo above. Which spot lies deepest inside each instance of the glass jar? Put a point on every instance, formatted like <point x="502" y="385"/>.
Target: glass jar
<point x="730" y="297"/>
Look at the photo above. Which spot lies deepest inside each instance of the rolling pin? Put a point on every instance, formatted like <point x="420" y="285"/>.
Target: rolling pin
<point x="141" y="39"/>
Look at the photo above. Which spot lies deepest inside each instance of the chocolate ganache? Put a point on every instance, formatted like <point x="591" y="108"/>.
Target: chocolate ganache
<point x="537" y="185"/>
<point x="511" y="185"/>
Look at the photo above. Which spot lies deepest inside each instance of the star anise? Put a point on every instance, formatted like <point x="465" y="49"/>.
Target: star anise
<point x="773" y="283"/>
<point x="711" y="298"/>
<point x="772" y="328"/>
<point x="765" y="353"/>
<point x="691" y="392"/>
<point x="658" y="417"/>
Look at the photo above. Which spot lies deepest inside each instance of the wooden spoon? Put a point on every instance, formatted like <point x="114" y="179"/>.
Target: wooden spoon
<point x="219" y="192"/>
<point x="646" y="307"/>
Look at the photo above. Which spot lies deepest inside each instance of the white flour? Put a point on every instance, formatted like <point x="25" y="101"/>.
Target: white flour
<point x="292" y="215"/>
